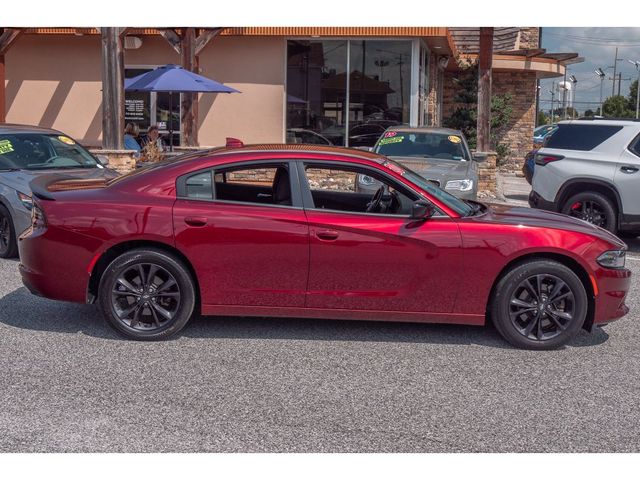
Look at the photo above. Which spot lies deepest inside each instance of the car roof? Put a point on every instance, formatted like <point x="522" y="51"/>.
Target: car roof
<point x="298" y="147"/>
<point x="10" y="128"/>
<point x="443" y="130"/>
<point x="601" y="121"/>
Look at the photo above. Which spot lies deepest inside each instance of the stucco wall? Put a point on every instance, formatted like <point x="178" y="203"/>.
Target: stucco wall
<point x="55" y="81"/>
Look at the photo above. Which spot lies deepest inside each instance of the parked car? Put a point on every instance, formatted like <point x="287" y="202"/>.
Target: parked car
<point x="590" y="169"/>
<point x="301" y="135"/>
<point x="541" y="132"/>
<point x="440" y="155"/>
<point x="528" y="166"/>
<point x="361" y="135"/>
<point x="280" y="231"/>
<point x="26" y="153"/>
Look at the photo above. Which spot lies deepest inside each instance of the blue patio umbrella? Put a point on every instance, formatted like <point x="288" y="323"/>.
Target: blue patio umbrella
<point x="173" y="78"/>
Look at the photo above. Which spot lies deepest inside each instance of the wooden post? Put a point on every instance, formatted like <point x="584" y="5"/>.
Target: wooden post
<point x="189" y="118"/>
<point x="7" y="37"/>
<point x="112" y="88"/>
<point x="484" y="89"/>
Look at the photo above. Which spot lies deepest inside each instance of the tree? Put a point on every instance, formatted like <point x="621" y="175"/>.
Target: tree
<point x="543" y="118"/>
<point x="589" y="113"/>
<point x="465" y="116"/>
<point x="617" y="106"/>
<point x="631" y="100"/>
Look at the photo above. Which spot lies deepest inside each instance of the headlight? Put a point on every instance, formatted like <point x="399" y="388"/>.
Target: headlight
<point x="26" y="200"/>
<point x="462" y="185"/>
<point x="366" y="180"/>
<point x="612" y="259"/>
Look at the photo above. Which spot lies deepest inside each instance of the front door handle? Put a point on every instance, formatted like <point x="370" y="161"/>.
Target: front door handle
<point x="628" y="169"/>
<point x="195" y="221"/>
<point x="327" y="234"/>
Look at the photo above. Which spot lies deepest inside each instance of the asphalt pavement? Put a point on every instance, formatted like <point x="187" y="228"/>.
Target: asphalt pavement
<point x="68" y="384"/>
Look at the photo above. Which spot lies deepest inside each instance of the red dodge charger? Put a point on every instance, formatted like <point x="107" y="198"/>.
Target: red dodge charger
<point x="280" y="230"/>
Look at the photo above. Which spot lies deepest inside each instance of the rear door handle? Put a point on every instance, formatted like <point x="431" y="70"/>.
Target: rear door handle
<point x="327" y="234"/>
<point x="628" y="169"/>
<point x="196" y="221"/>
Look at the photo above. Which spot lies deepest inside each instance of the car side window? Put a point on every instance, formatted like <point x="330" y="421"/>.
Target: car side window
<point x="265" y="184"/>
<point x="635" y="146"/>
<point x="199" y="186"/>
<point x="343" y="189"/>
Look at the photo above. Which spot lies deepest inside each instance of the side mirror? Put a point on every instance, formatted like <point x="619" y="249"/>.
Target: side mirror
<point x="422" y="211"/>
<point x="480" y="157"/>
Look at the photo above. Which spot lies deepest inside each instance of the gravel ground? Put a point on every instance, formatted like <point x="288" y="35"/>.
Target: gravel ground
<point x="68" y="384"/>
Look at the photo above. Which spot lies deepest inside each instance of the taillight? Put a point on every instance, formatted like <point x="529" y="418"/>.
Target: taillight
<point x="544" y="159"/>
<point x="38" y="219"/>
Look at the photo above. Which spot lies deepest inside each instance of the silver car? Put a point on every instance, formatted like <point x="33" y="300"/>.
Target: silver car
<point x="440" y="155"/>
<point x="28" y="152"/>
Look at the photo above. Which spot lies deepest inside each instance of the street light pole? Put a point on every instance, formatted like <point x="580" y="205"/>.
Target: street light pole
<point x="637" y="65"/>
<point x="602" y="76"/>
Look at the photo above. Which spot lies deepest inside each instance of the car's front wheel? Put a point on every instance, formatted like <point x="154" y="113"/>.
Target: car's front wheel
<point x="539" y="305"/>
<point x="8" y="244"/>
<point x="146" y="294"/>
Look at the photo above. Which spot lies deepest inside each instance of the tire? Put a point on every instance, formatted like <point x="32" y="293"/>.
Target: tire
<point x="602" y="212"/>
<point x="160" y="307"/>
<point x="511" y="293"/>
<point x="8" y="244"/>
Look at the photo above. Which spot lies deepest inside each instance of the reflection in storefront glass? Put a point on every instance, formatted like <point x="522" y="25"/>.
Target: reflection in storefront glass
<point x="316" y="91"/>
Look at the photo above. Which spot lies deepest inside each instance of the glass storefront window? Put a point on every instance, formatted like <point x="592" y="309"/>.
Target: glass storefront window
<point x="380" y="87"/>
<point x="318" y="97"/>
<point x="316" y="91"/>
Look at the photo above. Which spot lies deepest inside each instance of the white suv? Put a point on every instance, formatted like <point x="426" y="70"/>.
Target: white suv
<point x="590" y="169"/>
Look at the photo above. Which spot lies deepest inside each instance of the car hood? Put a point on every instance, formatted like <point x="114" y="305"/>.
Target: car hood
<point x="506" y="214"/>
<point x="19" y="179"/>
<point x="436" y="168"/>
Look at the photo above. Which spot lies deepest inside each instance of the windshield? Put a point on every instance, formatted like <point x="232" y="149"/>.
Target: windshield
<point x="438" y="145"/>
<point x="459" y="206"/>
<point x="37" y="151"/>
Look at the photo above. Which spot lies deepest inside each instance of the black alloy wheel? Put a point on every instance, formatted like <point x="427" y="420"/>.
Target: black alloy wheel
<point x="594" y="208"/>
<point x="8" y="244"/>
<point x="542" y="307"/>
<point x="539" y="304"/>
<point x="147" y="294"/>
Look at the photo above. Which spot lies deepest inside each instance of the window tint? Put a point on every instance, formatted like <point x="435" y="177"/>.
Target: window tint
<point x="35" y="151"/>
<point x="335" y="188"/>
<point x="581" y="137"/>
<point x="263" y="184"/>
<point x="422" y="145"/>
<point x="635" y="146"/>
<point x="200" y="186"/>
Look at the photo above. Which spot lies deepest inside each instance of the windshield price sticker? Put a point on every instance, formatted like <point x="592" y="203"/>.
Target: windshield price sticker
<point x="66" y="140"/>
<point x="5" y="146"/>
<point x="386" y="141"/>
<point x="454" y="139"/>
<point x="390" y="134"/>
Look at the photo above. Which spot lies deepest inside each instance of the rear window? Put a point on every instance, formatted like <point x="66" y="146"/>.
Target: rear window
<point x="581" y="137"/>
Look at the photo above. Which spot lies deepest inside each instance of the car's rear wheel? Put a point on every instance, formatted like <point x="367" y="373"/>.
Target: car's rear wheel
<point x="539" y="305"/>
<point x="592" y="207"/>
<point x="146" y="294"/>
<point x="8" y="244"/>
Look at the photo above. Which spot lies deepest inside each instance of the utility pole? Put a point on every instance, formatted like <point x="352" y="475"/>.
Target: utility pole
<point x="600" y="73"/>
<point x="636" y="64"/>
<point x="615" y="66"/>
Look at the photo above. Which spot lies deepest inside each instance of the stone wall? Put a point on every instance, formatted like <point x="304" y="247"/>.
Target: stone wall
<point x="519" y="132"/>
<point x="487" y="182"/>
<point x="122" y="161"/>
<point x="529" y="37"/>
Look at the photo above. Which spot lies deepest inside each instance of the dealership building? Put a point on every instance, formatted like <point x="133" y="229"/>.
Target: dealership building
<point x="341" y="84"/>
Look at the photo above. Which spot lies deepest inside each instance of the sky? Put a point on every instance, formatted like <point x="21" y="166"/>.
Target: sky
<point x="597" y="46"/>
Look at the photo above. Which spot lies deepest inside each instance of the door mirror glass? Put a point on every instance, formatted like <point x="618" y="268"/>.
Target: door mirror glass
<point x="480" y="157"/>
<point x="422" y="211"/>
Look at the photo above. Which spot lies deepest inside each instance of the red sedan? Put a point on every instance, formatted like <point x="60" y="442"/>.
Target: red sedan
<point x="279" y="230"/>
